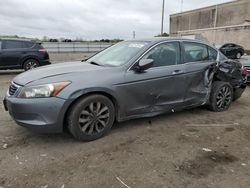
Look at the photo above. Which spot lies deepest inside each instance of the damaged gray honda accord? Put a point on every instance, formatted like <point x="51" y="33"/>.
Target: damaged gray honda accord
<point x="132" y="79"/>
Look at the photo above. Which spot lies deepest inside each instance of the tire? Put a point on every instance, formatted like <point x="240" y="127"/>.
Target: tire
<point x="238" y="55"/>
<point x="237" y="96"/>
<point x="30" y="64"/>
<point x="221" y="96"/>
<point x="91" y="117"/>
<point x="238" y="93"/>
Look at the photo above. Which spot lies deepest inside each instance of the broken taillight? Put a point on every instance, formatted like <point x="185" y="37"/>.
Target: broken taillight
<point x="244" y="72"/>
<point x="42" y="50"/>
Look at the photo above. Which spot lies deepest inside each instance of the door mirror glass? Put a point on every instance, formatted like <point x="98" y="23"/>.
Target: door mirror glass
<point x="144" y="64"/>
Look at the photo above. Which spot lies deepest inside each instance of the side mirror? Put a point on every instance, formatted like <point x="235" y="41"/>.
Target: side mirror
<point x="144" y="64"/>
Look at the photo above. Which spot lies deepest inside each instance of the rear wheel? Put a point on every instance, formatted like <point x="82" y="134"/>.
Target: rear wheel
<point x="30" y="64"/>
<point x="221" y="96"/>
<point x="91" y="118"/>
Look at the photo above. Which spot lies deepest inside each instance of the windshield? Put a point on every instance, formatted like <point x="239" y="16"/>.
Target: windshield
<point x="118" y="54"/>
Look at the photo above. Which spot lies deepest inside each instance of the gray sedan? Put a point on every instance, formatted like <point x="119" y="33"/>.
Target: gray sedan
<point x="132" y="79"/>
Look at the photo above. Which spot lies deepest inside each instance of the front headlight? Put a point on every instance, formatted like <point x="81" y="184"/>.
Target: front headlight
<point x="43" y="91"/>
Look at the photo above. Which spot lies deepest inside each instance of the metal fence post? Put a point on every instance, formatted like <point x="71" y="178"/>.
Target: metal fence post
<point x="58" y="48"/>
<point x="74" y="50"/>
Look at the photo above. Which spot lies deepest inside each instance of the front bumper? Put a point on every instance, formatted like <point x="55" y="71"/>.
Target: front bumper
<point x="43" y="115"/>
<point x="248" y="78"/>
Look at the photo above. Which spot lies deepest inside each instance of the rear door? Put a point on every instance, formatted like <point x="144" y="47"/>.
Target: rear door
<point x="160" y="88"/>
<point x="12" y="52"/>
<point x="198" y="60"/>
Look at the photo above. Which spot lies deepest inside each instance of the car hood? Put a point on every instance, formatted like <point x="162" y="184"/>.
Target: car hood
<point x="55" y="70"/>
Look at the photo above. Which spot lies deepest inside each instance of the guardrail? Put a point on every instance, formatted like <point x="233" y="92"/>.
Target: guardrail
<point x="74" y="47"/>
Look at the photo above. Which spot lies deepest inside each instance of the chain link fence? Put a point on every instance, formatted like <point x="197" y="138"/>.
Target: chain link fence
<point x="75" y="47"/>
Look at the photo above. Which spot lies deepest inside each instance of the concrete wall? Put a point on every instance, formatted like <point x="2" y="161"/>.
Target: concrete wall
<point x="239" y="35"/>
<point x="232" y="23"/>
<point x="228" y="14"/>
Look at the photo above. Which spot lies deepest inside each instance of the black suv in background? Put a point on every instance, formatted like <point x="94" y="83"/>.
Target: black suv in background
<point x="230" y="50"/>
<point x="22" y="54"/>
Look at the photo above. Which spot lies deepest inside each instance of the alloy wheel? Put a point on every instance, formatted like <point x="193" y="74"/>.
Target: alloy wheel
<point x="94" y="118"/>
<point x="31" y="65"/>
<point x="224" y="98"/>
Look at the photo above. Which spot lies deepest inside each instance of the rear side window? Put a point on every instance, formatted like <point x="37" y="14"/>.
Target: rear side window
<point x="194" y="52"/>
<point x="28" y="44"/>
<point x="165" y="54"/>
<point x="12" y="44"/>
<point x="212" y="53"/>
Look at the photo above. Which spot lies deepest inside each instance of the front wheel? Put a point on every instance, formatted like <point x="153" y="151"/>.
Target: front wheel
<point x="221" y="96"/>
<point x="91" y="117"/>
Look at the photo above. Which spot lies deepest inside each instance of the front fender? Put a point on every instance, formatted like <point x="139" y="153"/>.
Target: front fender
<point x="97" y="90"/>
<point x="86" y="91"/>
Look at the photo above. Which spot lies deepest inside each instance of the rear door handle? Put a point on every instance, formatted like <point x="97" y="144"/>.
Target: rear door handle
<point x="177" y="71"/>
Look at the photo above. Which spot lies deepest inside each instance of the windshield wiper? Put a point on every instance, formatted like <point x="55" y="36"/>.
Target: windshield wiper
<point x="94" y="63"/>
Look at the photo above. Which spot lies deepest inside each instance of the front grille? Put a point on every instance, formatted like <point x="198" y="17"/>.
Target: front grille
<point x="248" y="68"/>
<point x="13" y="89"/>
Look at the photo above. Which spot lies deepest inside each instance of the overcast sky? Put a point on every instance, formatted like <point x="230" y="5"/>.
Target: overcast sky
<point x="89" y="19"/>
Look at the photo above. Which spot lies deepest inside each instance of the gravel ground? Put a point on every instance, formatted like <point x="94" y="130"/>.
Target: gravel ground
<point x="192" y="148"/>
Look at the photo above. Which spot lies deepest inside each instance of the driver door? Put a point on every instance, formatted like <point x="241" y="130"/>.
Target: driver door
<point x="160" y="88"/>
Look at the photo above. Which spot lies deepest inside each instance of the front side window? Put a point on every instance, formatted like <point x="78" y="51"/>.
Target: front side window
<point x="12" y="44"/>
<point x="194" y="52"/>
<point x="165" y="54"/>
<point x="118" y="54"/>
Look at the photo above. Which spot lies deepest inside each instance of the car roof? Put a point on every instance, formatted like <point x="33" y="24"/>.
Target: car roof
<point x="12" y="39"/>
<point x="163" y="39"/>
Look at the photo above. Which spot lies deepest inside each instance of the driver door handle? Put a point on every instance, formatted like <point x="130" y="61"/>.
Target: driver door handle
<point x="177" y="71"/>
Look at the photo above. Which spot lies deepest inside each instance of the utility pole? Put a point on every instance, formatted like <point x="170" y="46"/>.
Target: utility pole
<point x="215" y="16"/>
<point x="133" y="34"/>
<point x="181" y="5"/>
<point x="215" y="22"/>
<point x="162" y="19"/>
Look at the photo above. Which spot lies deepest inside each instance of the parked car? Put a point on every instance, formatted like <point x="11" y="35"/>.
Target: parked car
<point x="22" y="54"/>
<point x="132" y="79"/>
<point x="230" y="50"/>
<point x="67" y="40"/>
<point x="53" y="40"/>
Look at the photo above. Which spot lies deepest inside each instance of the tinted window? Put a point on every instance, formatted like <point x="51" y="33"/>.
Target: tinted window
<point x="212" y="53"/>
<point x="12" y="44"/>
<point x="165" y="54"/>
<point x="195" y="52"/>
<point x="28" y="44"/>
